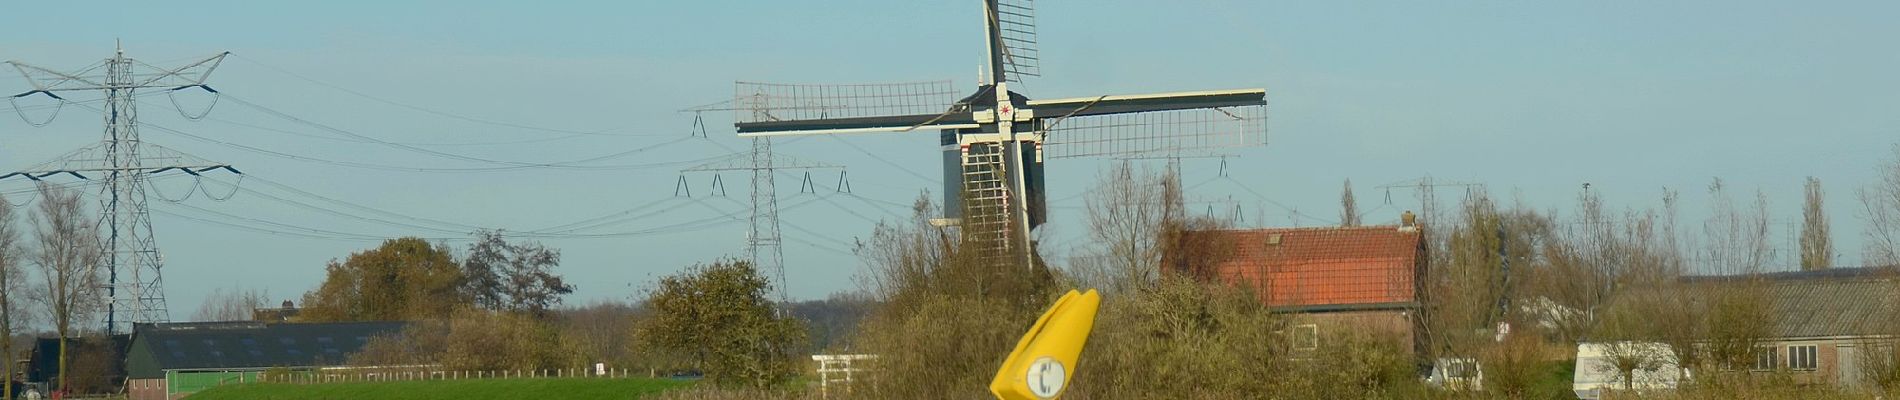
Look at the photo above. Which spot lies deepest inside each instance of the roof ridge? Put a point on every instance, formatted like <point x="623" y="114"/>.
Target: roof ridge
<point x="1380" y="228"/>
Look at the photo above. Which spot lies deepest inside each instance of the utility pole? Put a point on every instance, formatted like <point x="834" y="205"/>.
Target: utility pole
<point x="134" y="289"/>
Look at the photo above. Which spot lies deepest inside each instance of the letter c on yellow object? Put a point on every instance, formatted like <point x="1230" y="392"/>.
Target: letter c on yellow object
<point x="1044" y="360"/>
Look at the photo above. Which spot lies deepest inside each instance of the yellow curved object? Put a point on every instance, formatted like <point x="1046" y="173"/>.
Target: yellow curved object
<point x="1044" y="360"/>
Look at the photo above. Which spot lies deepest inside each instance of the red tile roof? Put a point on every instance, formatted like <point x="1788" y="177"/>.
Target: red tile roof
<point x="1296" y="267"/>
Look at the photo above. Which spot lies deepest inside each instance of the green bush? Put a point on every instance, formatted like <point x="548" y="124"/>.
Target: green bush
<point x="938" y="347"/>
<point x="1181" y="338"/>
<point x="719" y="316"/>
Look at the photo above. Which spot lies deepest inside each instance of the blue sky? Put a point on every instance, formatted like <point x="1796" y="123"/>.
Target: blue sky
<point x="1532" y="98"/>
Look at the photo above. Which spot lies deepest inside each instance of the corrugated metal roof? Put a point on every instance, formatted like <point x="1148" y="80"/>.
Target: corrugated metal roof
<point x="1297" y="267"/>
<point x="240" y="345"/>
<point x="1820" y="303"/>
<point x="1833" y="307"/>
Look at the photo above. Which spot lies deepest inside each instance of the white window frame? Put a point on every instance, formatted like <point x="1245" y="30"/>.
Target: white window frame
<point x="1772" y="354"/>
<point x="1804" y="357"/>
<point x="1306" y="334"/>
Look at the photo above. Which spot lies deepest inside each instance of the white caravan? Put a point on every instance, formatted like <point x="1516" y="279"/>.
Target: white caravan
<point x="1596" y="372"/>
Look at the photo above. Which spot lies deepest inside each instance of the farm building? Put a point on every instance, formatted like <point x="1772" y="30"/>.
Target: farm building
<point x="92" y="364"/>
<point x="171" y="360"/>
<point x="1823" y="322"/>
<point x="1822" y="326"/>
<point x="281" y="314"/>
<point x="1335" y="279"/>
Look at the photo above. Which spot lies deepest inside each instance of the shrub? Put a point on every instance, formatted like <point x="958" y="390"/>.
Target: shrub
<point x="720" y="317"/>
<point x="474" y="339"/>
<point x="1181" y="338"/>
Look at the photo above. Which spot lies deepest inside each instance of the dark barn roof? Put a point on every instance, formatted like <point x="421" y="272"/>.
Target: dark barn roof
<point x="1835" y="302"/>
<point x="1833" y="307"/>
<point x="246" y="345"/>
<point x="43" y="362"/>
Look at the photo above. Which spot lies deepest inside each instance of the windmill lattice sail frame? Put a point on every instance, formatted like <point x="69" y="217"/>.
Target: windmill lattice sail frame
<point x="756" y="102"/>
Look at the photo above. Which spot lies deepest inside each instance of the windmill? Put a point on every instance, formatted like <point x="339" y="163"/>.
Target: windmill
<point x="995" y="141"/>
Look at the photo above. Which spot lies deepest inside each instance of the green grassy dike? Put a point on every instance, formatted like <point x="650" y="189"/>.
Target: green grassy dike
<point x="529" y="388"/>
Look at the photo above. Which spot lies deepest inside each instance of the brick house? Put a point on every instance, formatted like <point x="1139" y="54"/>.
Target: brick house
<point x="1334" y="280"/>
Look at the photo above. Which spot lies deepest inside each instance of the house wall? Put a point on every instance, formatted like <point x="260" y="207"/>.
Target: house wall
<point x="1394" y="323"/>
<point x="140" y="363"/>
<point x="145" y="389"/>
<point x="1828" y="360"/>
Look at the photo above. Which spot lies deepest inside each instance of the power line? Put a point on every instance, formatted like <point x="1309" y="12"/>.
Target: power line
<point x="816" y="245"/>
<point x="1289" y="210"/>
<point x="437" y="153"/>
<point x="819" y="235"/>
<point x="467" y="229"/>
<point x="589" y="222"/>
<point x="689" y="226"/>
<point x="361" y="141"/>
<point x="329" y="233"/>
<point x="425" y="109"/>
<point x="387" y="167"/>
<point x="289" y="229"/>
<point x="900" y="167"/>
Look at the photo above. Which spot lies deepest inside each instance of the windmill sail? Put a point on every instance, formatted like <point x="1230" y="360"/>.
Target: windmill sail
<point x="777" y="107"/>
<point x="1016" y="32"/>
<point x="1173" y="133"/>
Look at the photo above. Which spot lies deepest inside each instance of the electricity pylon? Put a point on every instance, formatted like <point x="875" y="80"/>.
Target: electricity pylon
<point x="764" y="245"/>
<point x="134" y="291"/>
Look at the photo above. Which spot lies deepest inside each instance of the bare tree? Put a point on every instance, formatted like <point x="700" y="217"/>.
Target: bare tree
<point x="1576" y="275"/>
<point x="1737" y="309"/>
<point x="1736" y="239"/>
<point x="68" y="260"/>
<point x="13" y="293"/>
<point x="1128" y="213"/>
<point x="1464" y="286"/>
<point x="1677" y="309"/>
<point x="1348" y="206"/>
<point x="906" y="255"/>
<point x="1880" y="203"/>
<point x="234" y="305"/>
<point x="1817" y="248"/>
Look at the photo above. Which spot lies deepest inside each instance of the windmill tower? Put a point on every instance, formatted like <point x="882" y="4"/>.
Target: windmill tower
<point x="134" y="289"/>
<point x="995" y="140"/>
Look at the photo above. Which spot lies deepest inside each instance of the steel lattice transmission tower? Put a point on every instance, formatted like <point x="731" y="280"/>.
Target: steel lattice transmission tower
<point x="122" y="163"/>
<point x="764" y="244"/>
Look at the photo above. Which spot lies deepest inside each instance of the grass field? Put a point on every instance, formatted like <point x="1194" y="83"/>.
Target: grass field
<point x="530" y="388"/>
